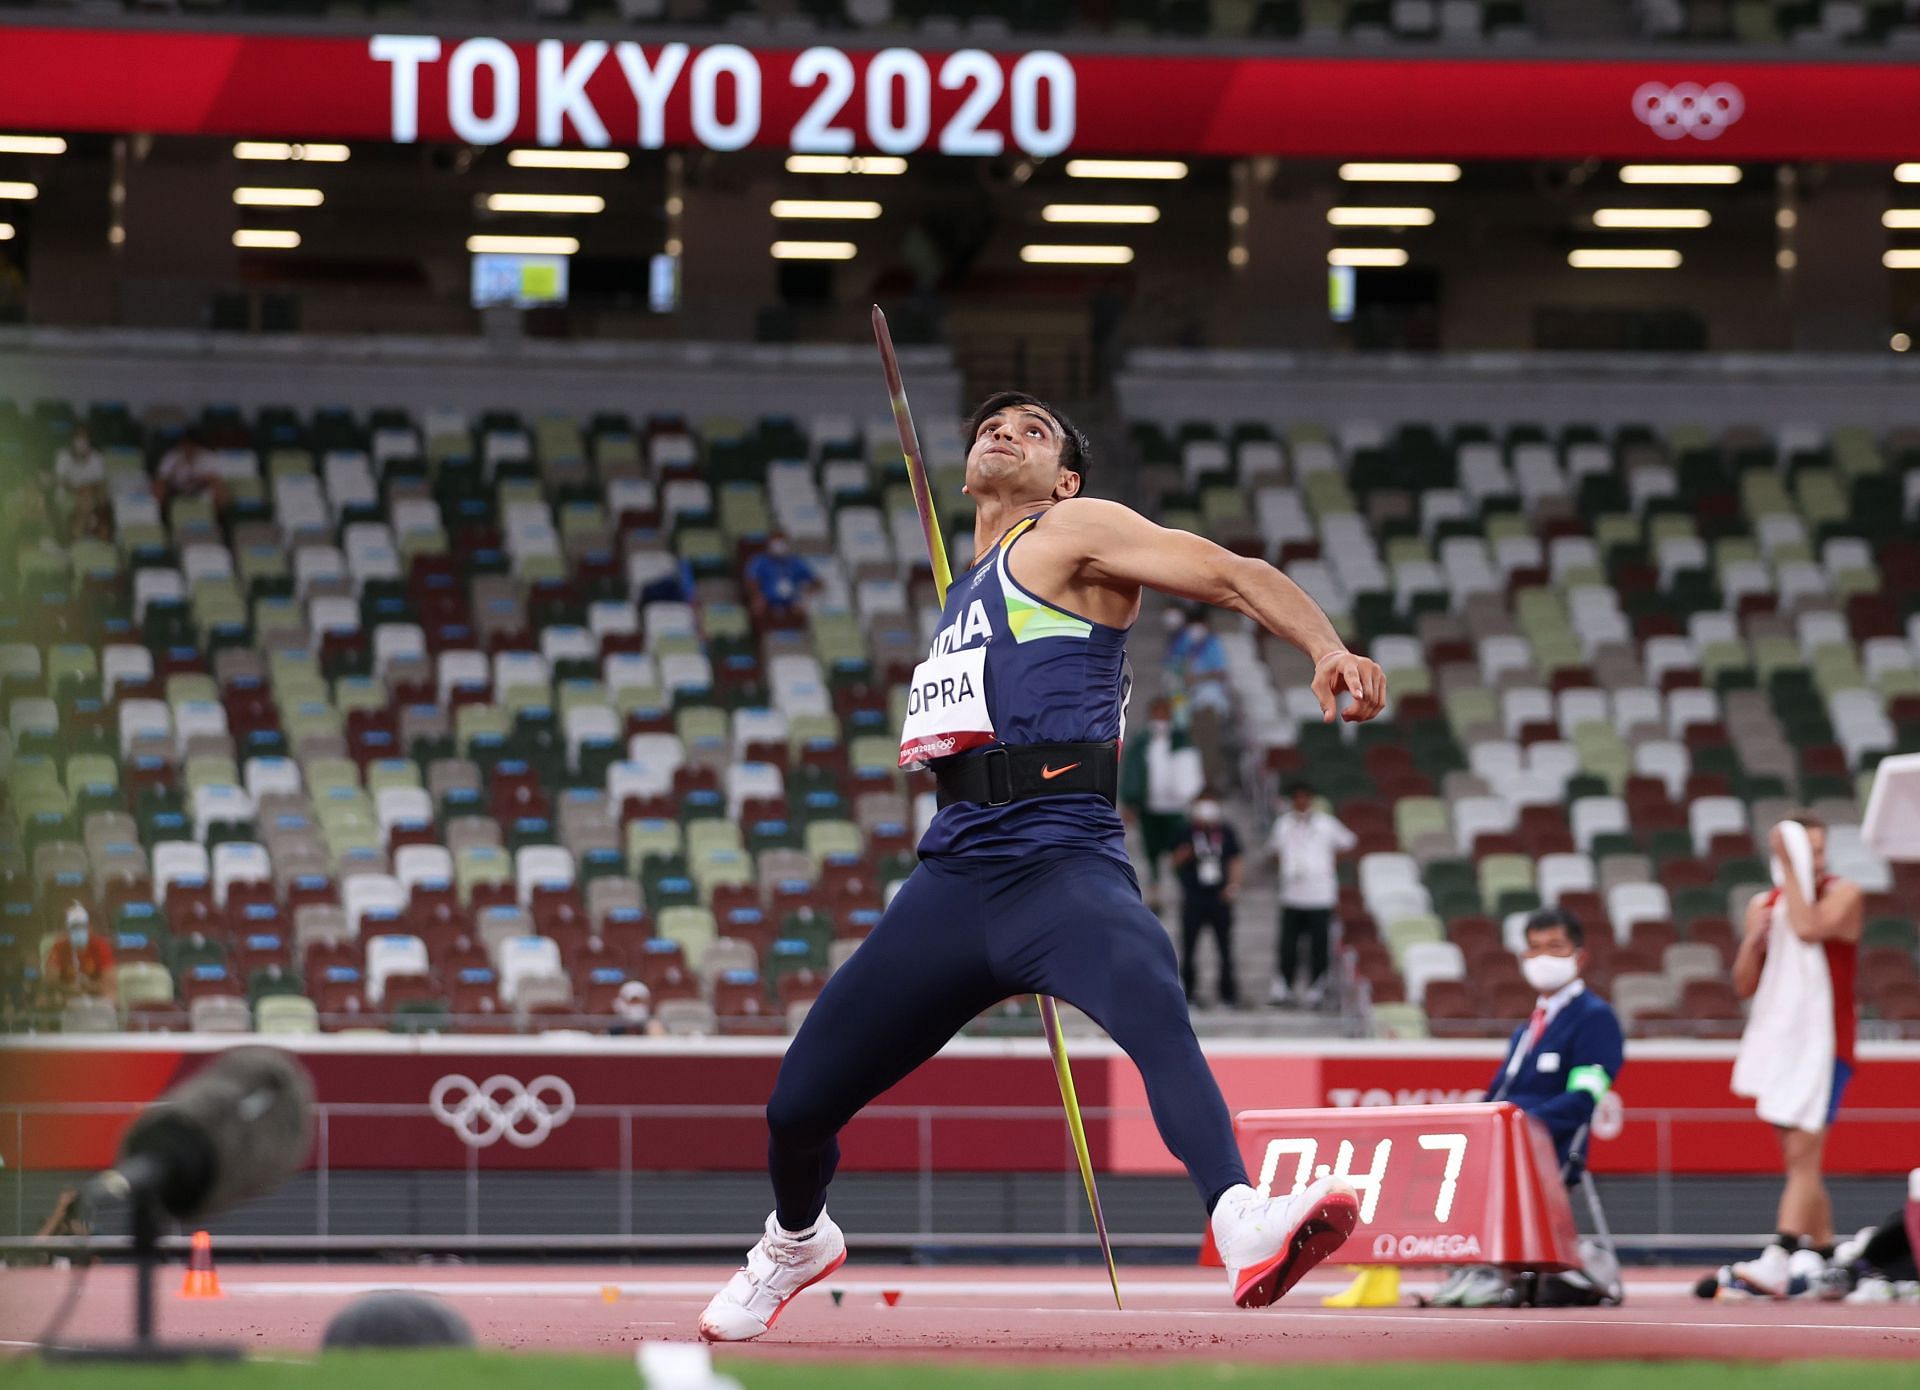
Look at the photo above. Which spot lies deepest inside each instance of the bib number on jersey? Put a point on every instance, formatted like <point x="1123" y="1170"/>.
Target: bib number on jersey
<point x="946" y="707"/>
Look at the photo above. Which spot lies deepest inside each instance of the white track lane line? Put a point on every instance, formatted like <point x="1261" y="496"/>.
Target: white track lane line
<point x="1205" y="1289"/>
<point x="1483" y="1318"/>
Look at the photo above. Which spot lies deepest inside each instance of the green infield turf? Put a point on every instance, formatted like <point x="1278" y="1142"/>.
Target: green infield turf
<point x="438" y="1371"/>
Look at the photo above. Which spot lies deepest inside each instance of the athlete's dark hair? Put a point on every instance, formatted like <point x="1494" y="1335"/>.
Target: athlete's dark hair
<point x="1075" y="449"/>
<point x="1547" y="918"/>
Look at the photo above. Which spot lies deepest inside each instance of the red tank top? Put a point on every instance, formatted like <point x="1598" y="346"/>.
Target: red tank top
<point x="1841" y="959"/>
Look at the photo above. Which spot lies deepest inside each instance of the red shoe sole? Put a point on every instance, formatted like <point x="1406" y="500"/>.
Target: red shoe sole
<point x="785" y="1301"/>
<point x="1324" y="1231"/>
<point x="803" y="1288"/>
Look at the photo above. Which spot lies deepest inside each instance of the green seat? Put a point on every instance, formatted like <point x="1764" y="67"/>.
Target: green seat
<point x="693" y="928"/>
<point x="1403" y="932"/>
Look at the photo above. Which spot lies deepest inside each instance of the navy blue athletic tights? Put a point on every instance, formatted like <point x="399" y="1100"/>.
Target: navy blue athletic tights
<point x="960" y="936"/>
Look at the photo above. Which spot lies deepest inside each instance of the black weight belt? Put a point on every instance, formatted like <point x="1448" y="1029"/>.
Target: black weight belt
<point x="1000" y="776"/>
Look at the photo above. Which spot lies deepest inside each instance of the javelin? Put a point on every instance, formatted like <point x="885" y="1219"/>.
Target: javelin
<point x="942" y="579"/>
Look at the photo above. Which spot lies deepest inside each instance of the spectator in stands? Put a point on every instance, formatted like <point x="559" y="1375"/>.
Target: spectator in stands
<point x="1559" y="1064"/>
<point x="1306" y="842"/>
<point x="1197" y="661"/>
<point x="1159" y="777"/>
<point x="81" y="961"/>
<point x="633" y="1008"/>
<point x="1208" y="860"/>
<point x="80" y="485"/>
<point x="188" y="469"/>
<point x="1796" y="961"/>
<point x="777" y="579"/>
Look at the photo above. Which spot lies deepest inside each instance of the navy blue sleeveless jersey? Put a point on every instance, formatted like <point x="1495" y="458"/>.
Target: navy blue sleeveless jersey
<point x="1049" y="677"/>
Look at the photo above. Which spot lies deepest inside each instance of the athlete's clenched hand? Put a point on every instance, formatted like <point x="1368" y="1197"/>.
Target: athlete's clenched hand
<point x="1359" y="677"/>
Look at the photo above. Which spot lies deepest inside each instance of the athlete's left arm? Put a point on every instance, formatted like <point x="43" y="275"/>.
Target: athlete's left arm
<point x="1117" y="545"/>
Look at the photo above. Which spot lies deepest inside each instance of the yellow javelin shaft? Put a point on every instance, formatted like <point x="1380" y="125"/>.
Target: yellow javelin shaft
<point x="942" y="580"/>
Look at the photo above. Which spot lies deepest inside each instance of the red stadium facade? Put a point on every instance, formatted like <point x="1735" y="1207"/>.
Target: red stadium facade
<point x="978" y="1107"/>
<point x="826" y="99"/>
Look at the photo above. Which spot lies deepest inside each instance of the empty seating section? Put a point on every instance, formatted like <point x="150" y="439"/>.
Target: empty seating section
<point x="447" y="721"/>
<point x="1807" y="24"/>
<point x="1617" y="656"/>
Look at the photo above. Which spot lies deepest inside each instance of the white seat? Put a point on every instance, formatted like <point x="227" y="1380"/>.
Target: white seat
<point x="463" y="670"/>
<point x="272" y="777"/>
<point x="752" y="781"/>
<point x="1664" y="654"/>
<point x="637" y="779"/>
<point x="1380" y="871"/>
<point x="610" y="617"/>
<point x="566" y="643"/>
<point x="333" y="614"/>
<point x="591" y="724"/>
<point x="390" y="954"/>
<point x="542" y="866"/>
<point x="1689" y="706"/>
<point x="1628" y="903"/>
<point x="520" y="671"/>
<point x="629" y="671"/>
<point x="1504" y="653"/>
<point x="429" y="866"/>
<point x="237" y="861"/>
<point x="1596" y="815"/>
<point x="219" y="1013"/>
<point x="194" y="718"/>
<point x="216" y="803"/>
<point x="1407" y="900"/>
<point x="1581" y="705"/>
<point x="1523" y="705"/>
<point x="372" y="901"/>
<point x="154" y="585"/>
<point x="397" y="642"/>
<point x="121" y="663"/>
<point x="1636" y="992"/>
<point x="1474" y="816"/>
<point x="179" y="861"/>
<point x="1667" y="759"/>
<point x="402" y="806"/>
<point x="1637" y="705"/>
<point x="1564" y="873"/>
<point x="523" y="958"/>
<point x="1715" y="815"/>
<point x="1425" y="961"/>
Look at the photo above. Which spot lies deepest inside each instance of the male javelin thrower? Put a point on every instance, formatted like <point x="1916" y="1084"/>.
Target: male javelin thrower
<point x="1024" y="885"/>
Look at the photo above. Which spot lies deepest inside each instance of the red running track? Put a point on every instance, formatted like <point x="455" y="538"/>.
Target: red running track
<point x="1023" y="1314"/>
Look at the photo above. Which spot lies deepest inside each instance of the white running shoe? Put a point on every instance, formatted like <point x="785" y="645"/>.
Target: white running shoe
<point x="777" y="1269"/>
<point x="1873" y="1289"/>
<point x="1770" y="1274"/>
<point x="1268" y="1243"/>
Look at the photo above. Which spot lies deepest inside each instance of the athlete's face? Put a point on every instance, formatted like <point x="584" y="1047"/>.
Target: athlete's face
<point x="1017" y="453"/>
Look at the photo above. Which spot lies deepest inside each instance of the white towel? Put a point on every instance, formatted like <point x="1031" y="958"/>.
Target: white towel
<point x="1786" y="1054"/>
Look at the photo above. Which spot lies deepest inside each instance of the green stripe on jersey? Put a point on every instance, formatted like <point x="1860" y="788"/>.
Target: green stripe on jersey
<point x="1029" y="621"/>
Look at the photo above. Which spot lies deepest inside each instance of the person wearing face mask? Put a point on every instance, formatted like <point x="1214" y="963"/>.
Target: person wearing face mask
<point x="1564" y="1058"/>
<point x="633" y="1008"/>
<point x="81" y="961"/>
<point x="1208" y="861"/>
<point x="1559" y="1064"/>
<point x="778" y="579"/>
<point x="1160" y="774"/>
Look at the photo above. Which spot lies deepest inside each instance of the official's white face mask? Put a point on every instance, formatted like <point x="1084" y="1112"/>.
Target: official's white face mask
<point x="1160" y="728"/>
<point x="1549" y="974"/>
<point x="1206" y="812"/>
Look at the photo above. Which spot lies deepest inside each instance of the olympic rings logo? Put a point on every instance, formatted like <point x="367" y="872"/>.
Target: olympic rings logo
<point x="1687" y="108"/>
<point x="501" y="1108"/>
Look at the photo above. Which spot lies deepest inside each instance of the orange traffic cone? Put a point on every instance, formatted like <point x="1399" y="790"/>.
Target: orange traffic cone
<point x="202" y="1281"/>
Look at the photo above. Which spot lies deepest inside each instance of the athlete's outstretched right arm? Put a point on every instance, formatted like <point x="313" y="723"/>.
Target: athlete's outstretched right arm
<point x="1120" y="546"/>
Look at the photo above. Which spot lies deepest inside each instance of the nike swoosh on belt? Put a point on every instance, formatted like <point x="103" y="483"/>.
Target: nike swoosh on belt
<point x="1047" y="774"/>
